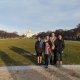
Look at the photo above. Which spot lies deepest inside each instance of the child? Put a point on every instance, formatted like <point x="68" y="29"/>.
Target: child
<point x="47" y="51"/>
<point x="39" y="49"/>
<point x="47" y="48"/>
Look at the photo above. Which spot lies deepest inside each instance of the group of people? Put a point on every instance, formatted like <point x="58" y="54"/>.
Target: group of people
<point x="50" y="49"/>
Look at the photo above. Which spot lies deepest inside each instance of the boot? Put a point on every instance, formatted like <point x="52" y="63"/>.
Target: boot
<point x="60" y="63"/>
<point x="57" y="63"/>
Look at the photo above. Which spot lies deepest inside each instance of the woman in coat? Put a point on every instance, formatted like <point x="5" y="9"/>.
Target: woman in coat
<point x="59" y="44"/>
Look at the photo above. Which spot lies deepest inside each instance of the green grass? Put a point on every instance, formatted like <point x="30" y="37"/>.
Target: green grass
<point x="16" y="52"/>
<point x="72" y="52"/>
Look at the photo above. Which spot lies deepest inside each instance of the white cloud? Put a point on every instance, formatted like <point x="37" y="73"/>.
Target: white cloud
<point x="39" y="13"/>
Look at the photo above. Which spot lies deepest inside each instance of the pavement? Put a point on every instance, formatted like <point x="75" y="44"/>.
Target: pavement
<point x="66" y="72"/>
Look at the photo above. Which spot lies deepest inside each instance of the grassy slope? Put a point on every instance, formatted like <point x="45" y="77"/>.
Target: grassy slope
<point x="15" y="52"/>
<point x="72" y="52"/>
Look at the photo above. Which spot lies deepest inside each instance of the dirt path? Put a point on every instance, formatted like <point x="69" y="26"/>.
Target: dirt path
<point x="37" y="73"/>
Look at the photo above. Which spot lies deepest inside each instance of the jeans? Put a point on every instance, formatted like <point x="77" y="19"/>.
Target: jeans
<point x="59" y="55"/>
<point x="51" y="59"/>
<point x="55" y="56"/>
<point x="47" y="59"/>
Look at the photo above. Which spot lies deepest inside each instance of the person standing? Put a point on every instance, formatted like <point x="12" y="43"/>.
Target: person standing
<point x="47" y="51"/>
<point x="39" y="50"/>
<point x="60" y="47"/>
<point x="54" y="50"/>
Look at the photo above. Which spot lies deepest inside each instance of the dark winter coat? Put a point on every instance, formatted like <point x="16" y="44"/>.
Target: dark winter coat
<point x="59" y="44"/>
<point x="39" y="46"/>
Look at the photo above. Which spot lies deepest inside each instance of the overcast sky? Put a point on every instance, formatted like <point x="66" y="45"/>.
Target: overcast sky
<point x="38" y="15"/>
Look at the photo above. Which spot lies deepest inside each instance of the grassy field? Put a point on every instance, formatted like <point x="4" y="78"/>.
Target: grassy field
<point x="72" y="52"/>
<point x="21" y="52"/>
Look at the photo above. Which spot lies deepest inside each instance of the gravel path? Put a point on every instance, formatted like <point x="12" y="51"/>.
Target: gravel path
<point x="21" y="75"/>
<point x="38" y="73"/>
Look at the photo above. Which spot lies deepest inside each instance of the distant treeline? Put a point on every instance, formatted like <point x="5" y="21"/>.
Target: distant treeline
<point x="73" y="34"/>
<point x="4" y="34"/>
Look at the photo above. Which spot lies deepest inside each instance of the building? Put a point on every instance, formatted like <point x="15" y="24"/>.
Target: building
<point x="29" y="34"/>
